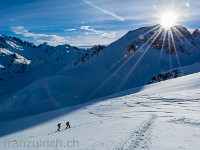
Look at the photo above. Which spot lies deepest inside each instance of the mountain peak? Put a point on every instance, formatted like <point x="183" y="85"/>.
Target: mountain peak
<point x="196" y="33"/>
<point x="44" y="44"/>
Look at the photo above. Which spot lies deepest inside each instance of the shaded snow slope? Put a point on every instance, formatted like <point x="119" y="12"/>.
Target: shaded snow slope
<point x="160" y="116"/>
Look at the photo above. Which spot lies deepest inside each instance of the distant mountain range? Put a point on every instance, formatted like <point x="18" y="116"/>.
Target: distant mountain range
<point x="50" y="77"/>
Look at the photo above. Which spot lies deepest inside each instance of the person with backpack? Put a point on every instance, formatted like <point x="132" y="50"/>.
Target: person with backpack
<point x="67" y="125"/>
<point x="59" y="126"/>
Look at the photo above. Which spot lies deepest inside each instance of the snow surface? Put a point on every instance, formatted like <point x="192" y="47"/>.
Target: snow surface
<point x="1" y="66"/>
<point x="14" y="45"/>
<point x="5" y="51"/>
<point x="161" y="116"/>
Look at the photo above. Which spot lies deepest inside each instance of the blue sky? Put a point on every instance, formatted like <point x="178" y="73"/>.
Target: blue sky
<point x="87" y="22"/>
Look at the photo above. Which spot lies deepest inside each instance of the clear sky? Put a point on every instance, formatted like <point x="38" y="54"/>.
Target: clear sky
<point x="88" y="22"/>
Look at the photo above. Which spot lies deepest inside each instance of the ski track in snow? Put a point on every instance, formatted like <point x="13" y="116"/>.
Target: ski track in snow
<point x="141" y="138"/>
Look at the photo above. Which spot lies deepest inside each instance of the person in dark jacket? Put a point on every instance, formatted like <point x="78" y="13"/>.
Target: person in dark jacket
<point x="59" y="125"/>
<point x="67" y="125"/>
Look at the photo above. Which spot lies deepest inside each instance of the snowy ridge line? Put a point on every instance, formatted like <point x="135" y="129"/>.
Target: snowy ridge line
<point x="176" y="72"/>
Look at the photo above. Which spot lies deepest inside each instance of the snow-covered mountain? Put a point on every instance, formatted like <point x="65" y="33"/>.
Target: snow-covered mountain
<point x="160" y="116"/>
<point x="61" y="76"/>
<point x="23" y="62"/>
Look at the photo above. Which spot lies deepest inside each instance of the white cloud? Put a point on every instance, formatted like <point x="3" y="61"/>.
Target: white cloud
<point x="100" y="33"/>
<point x="40" y="38"/>
<point x="68" y="29"/>
<point x="84" y="27"/>
<point x="103" y="10"/>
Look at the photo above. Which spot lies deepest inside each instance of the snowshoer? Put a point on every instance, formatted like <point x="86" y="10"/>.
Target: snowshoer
<point x="67" y="125"/>
<point x="59" y="125"/>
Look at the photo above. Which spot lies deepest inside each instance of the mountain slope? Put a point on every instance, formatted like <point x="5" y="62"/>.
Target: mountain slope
<point x="128" y="62"/>
<point x="163" y="116"/>
<point x="22" y="62"/>
<point x="177" y="72"/>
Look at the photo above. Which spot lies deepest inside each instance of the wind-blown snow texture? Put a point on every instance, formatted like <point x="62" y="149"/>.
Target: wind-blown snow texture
<point x="160" y="116"/>
<point x="47" y="78"/>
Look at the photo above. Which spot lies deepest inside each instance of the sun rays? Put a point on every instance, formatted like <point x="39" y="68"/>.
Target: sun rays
<point x="165" y="35"/>
<point x="167" y="31"/>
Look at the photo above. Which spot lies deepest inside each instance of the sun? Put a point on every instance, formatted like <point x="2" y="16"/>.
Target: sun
<point x="168" y="20"/>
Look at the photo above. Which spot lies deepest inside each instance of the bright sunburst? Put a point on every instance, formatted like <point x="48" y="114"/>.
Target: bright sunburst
<point x="168" y="20"/>
<point x="169" y="16"/>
